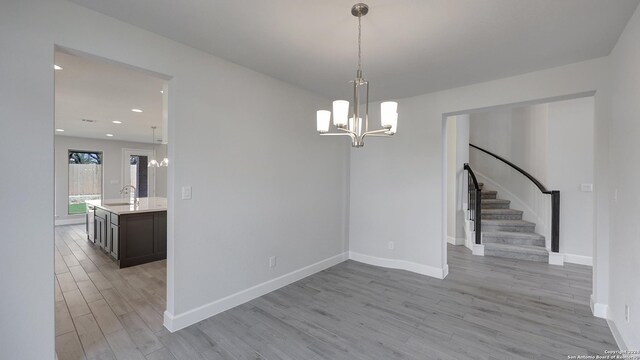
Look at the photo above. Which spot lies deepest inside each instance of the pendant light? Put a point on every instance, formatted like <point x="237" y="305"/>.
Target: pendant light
<point x="356" y="126"/>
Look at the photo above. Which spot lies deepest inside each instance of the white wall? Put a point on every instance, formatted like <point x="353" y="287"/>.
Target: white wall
<point x="554" y="142"/>
<point x="462" y="157"/>
<point x="571" y="162"/>
<point x="263" y="182"/>
<point x="111" y="168"/>
<point x="457" y="156"/>
<point x="451" y="179"/>
<point x="411" y="165"/>
<point x="625" y="207"/>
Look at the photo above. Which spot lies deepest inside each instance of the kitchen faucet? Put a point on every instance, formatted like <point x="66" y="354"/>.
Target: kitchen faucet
<point x="136" y="201"/>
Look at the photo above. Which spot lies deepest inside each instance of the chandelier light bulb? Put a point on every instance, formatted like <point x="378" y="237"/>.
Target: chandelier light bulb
<point x="340" y="112"/>
<point x="323" y="119"/>
<point x="387" y="111"/>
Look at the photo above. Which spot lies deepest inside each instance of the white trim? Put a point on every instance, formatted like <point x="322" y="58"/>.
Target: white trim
<point x="617" y="336"/>
<point x="478" y="250"/>
<point x="176" y="322"/>
<point x="455" y="241"/>
<point x="71" y="221"/>
<point x="556" y="259"/>
<point x="578" y="259"/>
<point x="598" y="309"/>
<point x="439" y="273"/>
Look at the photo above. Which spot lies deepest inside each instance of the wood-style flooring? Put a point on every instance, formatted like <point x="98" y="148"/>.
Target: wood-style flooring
<point x="486" y="308"/>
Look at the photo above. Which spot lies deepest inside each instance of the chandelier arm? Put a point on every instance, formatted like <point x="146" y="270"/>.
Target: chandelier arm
<point x="380" y="131"/>
<point x="346" y="130"/>
<point x="380" y="135"/>
<point x="353" y="137"/>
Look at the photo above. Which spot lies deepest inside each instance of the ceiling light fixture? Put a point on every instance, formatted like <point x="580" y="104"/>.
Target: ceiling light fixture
<point x="117" y="122"/>
<point x="109" y="135"/>
<point x="57" y="67"/>
<point x="60" y="130"/>
<point x="357" y="126"/>
<point x="136" y="110"/>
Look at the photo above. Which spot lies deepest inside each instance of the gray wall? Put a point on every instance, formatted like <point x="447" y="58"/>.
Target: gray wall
<point x="625" y="202"/>
<point x="112" y="168"/>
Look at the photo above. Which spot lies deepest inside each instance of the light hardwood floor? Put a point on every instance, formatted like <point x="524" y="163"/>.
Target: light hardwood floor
<point x="486" y="308"/>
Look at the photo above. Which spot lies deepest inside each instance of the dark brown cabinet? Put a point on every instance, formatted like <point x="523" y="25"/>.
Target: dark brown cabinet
<point x="143" y="238"/>
<point x="132" y="239"/>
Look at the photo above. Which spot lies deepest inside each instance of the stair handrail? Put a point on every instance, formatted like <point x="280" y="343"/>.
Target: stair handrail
<point x="555" y="198"/>
<point x="474" y="203"/>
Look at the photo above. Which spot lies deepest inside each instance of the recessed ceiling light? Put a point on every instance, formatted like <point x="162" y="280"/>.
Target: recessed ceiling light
<point x="136" y="110"/>
<point x="59" y="130"/>
<point x="109" y="135"/>
<point x="161" y="91"/>
<point x="57" y="67"/>
<point x="117" y="122"/>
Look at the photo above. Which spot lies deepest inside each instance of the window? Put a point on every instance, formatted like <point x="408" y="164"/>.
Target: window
<point x="85" y="179"/>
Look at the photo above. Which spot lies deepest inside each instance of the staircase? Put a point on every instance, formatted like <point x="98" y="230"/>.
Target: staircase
<point x="506" y="235"/>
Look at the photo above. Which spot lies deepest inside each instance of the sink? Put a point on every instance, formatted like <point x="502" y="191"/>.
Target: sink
<point x="117" y="203"/>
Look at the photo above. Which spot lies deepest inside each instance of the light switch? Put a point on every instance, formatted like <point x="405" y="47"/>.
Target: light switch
<point x="586" y="187"/>
<point x="186" y="193"/>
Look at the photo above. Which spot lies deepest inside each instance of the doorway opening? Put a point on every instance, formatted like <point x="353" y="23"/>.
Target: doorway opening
<point x="111" y="169"/>
<point x="552" y="141"/>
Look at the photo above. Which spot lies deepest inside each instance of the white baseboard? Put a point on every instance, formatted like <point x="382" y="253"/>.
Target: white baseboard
<point x="176" y="322"/>
<point x="599" y="310"/>
<point x="435" y="272"/>
<point x="556" y="259"/>
<point x="478" y="250"/>
<point x="578" y="259"/>
<point x="70" y="221"/>
<point x="617" y="336"/>
<point x="455" y="241"/>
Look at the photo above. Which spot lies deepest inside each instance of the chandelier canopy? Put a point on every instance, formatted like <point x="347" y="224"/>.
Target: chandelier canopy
<point x="356" y="126"/>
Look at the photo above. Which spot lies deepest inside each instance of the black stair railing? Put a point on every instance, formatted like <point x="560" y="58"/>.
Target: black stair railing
<point x="474" y="203"/>
<point x="555" y="198"/>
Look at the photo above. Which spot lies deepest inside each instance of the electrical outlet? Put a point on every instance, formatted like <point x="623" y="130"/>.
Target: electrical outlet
<point x="626" y="313"/>
<point x="272" y="262"/>
<point x="391" y="245"/>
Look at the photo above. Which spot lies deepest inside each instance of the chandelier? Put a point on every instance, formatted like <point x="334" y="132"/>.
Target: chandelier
<point x="356" y="126"/>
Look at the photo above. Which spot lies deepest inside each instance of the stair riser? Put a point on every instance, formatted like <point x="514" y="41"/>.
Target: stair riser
<point x="517" y="256"/>
<point x="502" y="216"/>
<point x="524" y="229"/>
<point x="495" y="206"/>
<point x="489" y="196"/>
<point x="513" y="241"/>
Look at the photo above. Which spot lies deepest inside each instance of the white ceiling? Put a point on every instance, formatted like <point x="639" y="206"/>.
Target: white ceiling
<point x="409" y="46"/>
<point x="87" y="88"/>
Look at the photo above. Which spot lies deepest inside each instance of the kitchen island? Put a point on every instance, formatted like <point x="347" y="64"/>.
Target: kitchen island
<point x="131" y="233"/>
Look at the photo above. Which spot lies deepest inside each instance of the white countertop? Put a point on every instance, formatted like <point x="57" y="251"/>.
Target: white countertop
<point x="116" y="206"/>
